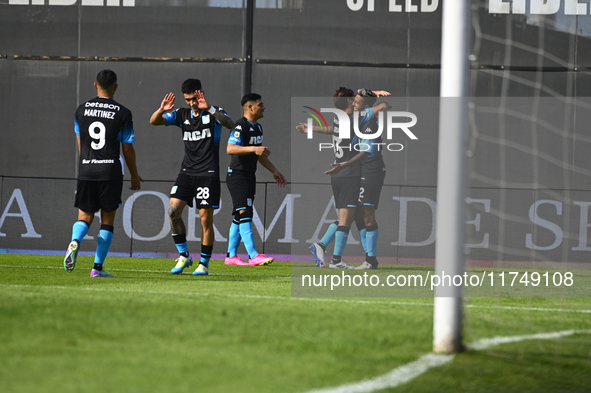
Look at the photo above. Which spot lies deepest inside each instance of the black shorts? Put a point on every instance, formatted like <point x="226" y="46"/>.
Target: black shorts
<point x="345" y="191"/>
<point x="242" y="187"/>
<point x="205" y="190"/>
<point x="369" y="194"/>
<point x="92" y="196"/>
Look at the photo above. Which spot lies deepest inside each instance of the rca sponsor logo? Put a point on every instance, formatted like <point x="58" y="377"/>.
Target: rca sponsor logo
<point x="95" y="3"/>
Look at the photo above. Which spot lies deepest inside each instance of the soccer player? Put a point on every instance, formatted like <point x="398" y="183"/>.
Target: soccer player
<point x="245" y="145"/>
<point x="199" y="177"/>
<point x="373" y="173"/>
<point x="101" y="125"/>
<point x="344" y="183"/>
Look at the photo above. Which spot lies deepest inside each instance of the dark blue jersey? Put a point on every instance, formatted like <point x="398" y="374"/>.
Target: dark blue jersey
<point x="373" y="168"/>
<point x="102" y="124"/>
<point x="245" y="134"/>
<point x="201" y="135"/>
<point x="344" y="150"/>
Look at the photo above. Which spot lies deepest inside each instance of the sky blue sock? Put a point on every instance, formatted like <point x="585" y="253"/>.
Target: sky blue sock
<point x="362" y="238"/>
<point x="341" y="237"/>
<point x="79" y="230"/>
<point x="234" y="239"/>
<point x="372" y="242"/>
<point x="103" y="243"/>
<point x="180" y="241"/>
<point x="248" y="237"/>
<point x="182" y="247"/>
<point x="330" y="233"/>
<point x="206" y="254"/>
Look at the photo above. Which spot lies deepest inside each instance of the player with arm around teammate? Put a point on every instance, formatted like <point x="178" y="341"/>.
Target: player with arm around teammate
<point x="343" y="184"/>
<point x="246" y="148"/>
<point x="102" y="125"/>
<point x="373" y="173"/>
<point x="345" y="178"/>
<point x="199" y="177"/>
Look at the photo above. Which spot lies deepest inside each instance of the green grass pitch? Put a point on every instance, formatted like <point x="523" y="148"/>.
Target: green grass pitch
<point x="239" y="330"/>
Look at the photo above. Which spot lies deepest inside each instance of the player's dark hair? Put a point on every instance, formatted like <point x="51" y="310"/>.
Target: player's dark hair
<point x="369" y="97"/>
<point x="341" y="97"/>
<point x="190" y="86"/>
<point x="249" y="97"/>
<point x="106" y="79"/>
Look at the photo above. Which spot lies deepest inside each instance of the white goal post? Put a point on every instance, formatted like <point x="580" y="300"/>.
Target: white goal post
<point x="451" y="168"/>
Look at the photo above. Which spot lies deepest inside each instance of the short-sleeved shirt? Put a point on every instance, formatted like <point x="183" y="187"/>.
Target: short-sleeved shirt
<point x="245" y="134"/>
<point x="201" y="135"/>
<point x="102" y="125"/>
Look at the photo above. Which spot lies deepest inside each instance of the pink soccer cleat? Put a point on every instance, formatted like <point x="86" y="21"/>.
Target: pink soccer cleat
<point x="260" y="260"/>
<point x="235" y="260"/>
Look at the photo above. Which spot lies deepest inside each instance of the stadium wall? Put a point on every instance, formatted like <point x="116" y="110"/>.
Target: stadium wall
<point x="51" y="51"/>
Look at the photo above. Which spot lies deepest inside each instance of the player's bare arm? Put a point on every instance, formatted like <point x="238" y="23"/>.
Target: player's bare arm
<point x="129" y="155"/>
<point x="382" y="106"/>
<point x="303" y="128"/>
<point x="337" y="167"/>
<point x="224" y="119"/>
<point x="157" y="118"/>
<point x="381" y="93"/>
<point x="279" y="178"/>
<point x="236" y="150"/>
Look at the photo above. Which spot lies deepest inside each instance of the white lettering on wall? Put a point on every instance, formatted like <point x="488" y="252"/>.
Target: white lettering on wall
<point x="537" y="7"/>
<point x="583" y="226"/>
<point x="552" y="227"/>
<point x="96" y="3"/>
<point x="23" y="214"/>
<point x="286" y="205"/>
<point x="396" y="5"/>
<point x="403" y="220"/>
<point x="476" y="222"/>
<point x="127" y="216"/>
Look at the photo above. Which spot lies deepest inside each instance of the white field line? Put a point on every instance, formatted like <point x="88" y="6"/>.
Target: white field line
<point x="407" y="372"/>
<point x="486" y="343"/>
<point x="337" y="300"/>
<point x="197" y="294"/>
<point x="166" y="271"/>
<point x="394" y="378"/>
<point x="309" y="299"/>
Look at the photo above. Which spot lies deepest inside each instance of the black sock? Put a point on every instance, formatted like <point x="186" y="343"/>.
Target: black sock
<point x="98" y="266"/>
<point x="336" y="259"/>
